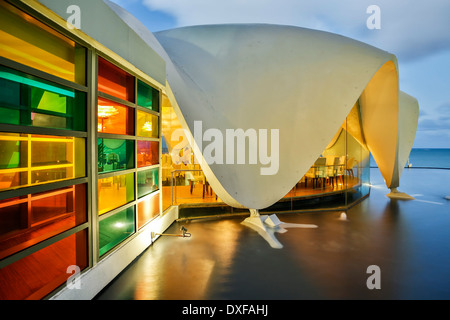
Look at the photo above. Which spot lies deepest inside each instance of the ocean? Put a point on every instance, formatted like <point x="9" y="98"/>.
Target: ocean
<point x="425" y="158"/>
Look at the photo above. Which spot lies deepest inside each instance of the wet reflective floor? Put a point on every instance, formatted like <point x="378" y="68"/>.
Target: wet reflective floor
<point x="408" y="240"/>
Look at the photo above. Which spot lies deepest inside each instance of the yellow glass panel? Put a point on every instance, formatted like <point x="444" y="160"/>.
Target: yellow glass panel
<point x="26" y="40"/>
<point x="147" y="125"/>
<point x="34" y="159"/>
<point x="114" y="192"/>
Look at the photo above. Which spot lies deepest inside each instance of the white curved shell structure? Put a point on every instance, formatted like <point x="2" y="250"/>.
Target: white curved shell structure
<point x="300" y="82"/>
<point x="293" y="88"/>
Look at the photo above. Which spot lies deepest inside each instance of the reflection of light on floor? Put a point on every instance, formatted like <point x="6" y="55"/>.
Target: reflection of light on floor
<point x="377" y="186"/>
<point x="191" y="265"/>
<point x="426" y="201"/>
<point x="433" y="202"/>
<point x="199" y="270"/>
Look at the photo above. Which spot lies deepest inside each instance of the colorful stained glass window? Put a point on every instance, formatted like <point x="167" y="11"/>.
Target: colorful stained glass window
<point x="147" y="125"/>
<point x="115" y="155"/>
<point x="38" y="274"/>
<point x="148" y="181"/>
<point x="115" y="118"/>
<point x="29" y="219"/>
<point x="147" y="153"/>
<point x="115" y="81"/>
<point x="27" y="41"/>
<point x="27" y="159"/>
<point x="147" y="96"/>
<point x="114" y="192"/>
<point x="113" y="230"/>
<point x="148" y="208"/>
<point x="31" y="101"/>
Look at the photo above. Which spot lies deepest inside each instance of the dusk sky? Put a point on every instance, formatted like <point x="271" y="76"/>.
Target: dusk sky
<point x="417" y="32"/>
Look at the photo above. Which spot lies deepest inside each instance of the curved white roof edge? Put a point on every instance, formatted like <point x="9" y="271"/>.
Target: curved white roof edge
<point x="300" y="82"/>
<point x="100" y="20"/>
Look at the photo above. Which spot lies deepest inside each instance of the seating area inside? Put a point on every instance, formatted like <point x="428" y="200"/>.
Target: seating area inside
<point x="342" y="167"/>
<point x="330" y="170"/>
<point x="185" y="183"/>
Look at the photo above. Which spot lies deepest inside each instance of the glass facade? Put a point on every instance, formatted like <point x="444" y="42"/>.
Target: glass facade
<point x="27" y="159"/>
<point x="28" y="41"/>
<point x="41" y="272"/>
<point x="147" y="96"/>
<point x="54" y="206"/>
<point x="115" y="191"/>
<point x="115" y="155"/>
<point x="183" y="180"/>
<point x="148" y="208"/>
<point x="147" y="153"/>
<point x="30" y="219"/>
<point x="147" y="125"/>
<point x="114" y="81"/>
<point x="113" y="230"/>
<point x="148" y="181"/>
<point x="115" y="118"/>
<point x="118" y="117"/>
<point x="30" y="101"/>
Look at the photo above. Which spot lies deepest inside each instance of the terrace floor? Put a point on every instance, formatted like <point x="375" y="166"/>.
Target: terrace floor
<point x="408" y="240"/>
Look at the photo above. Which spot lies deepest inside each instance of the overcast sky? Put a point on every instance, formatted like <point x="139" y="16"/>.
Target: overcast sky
<point x="417" y="32"/>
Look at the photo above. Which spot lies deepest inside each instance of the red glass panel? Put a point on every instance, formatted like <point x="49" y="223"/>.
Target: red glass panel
<point x="115" y="118"/>
<point x="38" y="274"/>
<point x="27" y="220"/>
<point x="148" y="208"/>
<point x="114" y="81"/>
<point x="147" y="153"/>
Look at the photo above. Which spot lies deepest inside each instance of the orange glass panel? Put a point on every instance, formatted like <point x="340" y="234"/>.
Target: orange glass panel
<point x="148" y="208"/>
<point x="147" y="153"/>
<point x="114" y="192"/>
<point x="115" y="118"/>
<point x="27" y="41"/>
<point x="147" y="125"/>
<point x="38" y="274"/>
<point x="27" y="220"/>
<point x="114" y="81"/>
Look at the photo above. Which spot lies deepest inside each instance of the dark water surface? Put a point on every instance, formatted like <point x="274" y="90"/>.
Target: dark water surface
<point x="408" y="240"/>
<point x="426" y="158"/>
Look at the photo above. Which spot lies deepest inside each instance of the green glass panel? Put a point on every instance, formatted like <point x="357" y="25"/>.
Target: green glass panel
<point x="148" y="97"/>
<point x="113" y="230"/>
<point x="148" y="181"/>
<point x="115" y="155"/>
<point x="10" y="154"/>
<point x="30" y="101"/>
